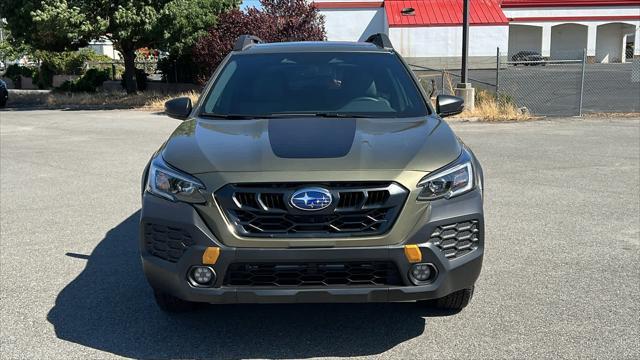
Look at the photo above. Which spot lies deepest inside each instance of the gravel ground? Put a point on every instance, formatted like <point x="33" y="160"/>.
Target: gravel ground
<point x="561" y="276"/>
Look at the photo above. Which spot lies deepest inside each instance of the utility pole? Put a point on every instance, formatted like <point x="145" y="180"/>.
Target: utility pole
<point x="464" y="89"/>
<point x="465" y="41"/>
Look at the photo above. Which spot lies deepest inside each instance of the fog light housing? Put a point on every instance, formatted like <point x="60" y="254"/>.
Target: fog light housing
<point x="202" y="276"/>
<point x="422" y="273"/>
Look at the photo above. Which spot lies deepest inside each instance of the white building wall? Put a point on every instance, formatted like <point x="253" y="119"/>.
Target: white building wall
<point x="446" y="41"/>
<point x="104" y="47"/>
<point x="636" y="42"/>
<point x="524" y="37"/>
<point x="609" y="43"/>
<point x="568" y="41"/>
<point x="569" y="11"/>
<point x="354" y="24"/>
<point x="594" y="44"/>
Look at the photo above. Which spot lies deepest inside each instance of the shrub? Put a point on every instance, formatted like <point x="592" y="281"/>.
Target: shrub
<point x="64" y="63"/>
<point x="43" y="76"/>
<point x="89" y="82"/>
<point x="178" y="69"/>
<point x="72" y="62"/>
<point x="277" y="21"/>
<point x="490" y="107"/>
<point x="14" y="71"/>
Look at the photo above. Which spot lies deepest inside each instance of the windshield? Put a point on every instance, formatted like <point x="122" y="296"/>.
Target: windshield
<point x="321" y="84"/>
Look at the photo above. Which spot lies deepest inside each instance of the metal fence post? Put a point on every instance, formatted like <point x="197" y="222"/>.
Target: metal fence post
<point x="584" y="63"/>
<point x="497" y="71"/>
<point x="442" y="83"/>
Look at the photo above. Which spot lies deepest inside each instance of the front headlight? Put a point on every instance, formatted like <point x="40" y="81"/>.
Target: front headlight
<point x="173" y="185"/>
<point x="451" y="181"/>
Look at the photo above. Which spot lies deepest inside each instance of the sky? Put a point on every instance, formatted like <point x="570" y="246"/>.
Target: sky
<point x="248" y="3"/>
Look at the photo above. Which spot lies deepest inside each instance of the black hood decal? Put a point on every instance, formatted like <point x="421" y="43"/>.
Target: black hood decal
<point x="311" y="138"/>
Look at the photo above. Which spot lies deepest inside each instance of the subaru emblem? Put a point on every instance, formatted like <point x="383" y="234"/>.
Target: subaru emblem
<point x="311" y="199"/>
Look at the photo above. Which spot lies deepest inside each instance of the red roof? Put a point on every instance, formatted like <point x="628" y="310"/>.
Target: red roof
<point x="443" y="13"/>
<point x="567" y="3"/>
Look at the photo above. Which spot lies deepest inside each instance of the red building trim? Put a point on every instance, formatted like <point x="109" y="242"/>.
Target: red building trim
<point x="567" y="3"/>
<point x="575" y="18"/>
<point x="444" y="24"/>
<point x="443" y="13"/>
<point x="349" y="4"/>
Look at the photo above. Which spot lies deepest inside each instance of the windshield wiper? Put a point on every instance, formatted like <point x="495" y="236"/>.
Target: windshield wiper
<point x="340" y="115"/>
<point x="281" y="115"/>
<point x="324" y="114"/>
<point x="234" y="116"/>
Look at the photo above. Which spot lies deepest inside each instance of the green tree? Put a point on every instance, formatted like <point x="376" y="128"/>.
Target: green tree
<point x="57" y="25"/>
<point x="10" y="48"/>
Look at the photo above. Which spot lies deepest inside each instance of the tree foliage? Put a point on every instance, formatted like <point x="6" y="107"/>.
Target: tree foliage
<point x="293" y="20"/>
<point x="10" y="48"/>
<point x="57" y="25"/>
<point x="277" y="21"/>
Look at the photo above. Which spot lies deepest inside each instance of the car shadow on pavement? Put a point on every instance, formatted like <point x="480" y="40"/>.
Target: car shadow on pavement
<point x="110" y="307"/>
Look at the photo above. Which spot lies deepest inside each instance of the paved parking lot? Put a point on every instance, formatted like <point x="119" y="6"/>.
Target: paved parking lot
<point x="561" y="276"/>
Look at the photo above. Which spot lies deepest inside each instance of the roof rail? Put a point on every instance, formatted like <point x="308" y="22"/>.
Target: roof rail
<point x="380" y="40"/>
<point x="244" y="41"/>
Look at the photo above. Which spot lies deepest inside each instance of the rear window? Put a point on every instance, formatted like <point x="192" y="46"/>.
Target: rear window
<point x="358" y="84"/>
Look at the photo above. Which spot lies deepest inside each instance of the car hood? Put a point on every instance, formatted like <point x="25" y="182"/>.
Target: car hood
<point x="311" y="144"/>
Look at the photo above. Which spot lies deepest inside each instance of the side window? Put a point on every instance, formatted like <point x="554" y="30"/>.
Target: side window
<point x="214" y="99"/>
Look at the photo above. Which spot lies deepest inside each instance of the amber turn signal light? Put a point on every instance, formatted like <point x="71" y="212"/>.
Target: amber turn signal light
<point x="413" y="253"/>
<point x="210" y="255"/>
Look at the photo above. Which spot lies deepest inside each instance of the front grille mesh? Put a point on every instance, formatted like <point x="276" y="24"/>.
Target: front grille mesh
<point x="457" y="239"/>
<point x="374" y="273"/>
<point x="364" y="222"/>
<point x="166" y="242"/>
<point x="263" y="210"/>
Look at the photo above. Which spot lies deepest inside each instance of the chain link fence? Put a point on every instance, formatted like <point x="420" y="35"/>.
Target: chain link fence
<point x="443" y="81"/>
<point x="549" y="87"/>
<point x="612" y="87"/>
<point x="544" y="88"/>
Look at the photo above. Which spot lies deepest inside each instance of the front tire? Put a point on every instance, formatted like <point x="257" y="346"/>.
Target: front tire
<point x="455" y="301"/>
<point x="171" y="304"/>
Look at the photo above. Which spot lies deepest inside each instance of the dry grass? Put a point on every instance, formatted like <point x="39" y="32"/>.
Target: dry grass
<point x="157" y="103"/>
<point x="109" y="100"/>
<point x="448" y="82"/>
<point x="490" y="108"/>
<point x="487" y="106"/>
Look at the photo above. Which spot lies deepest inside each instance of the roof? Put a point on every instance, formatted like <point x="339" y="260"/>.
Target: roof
<point x="443" y="13"/>
<point x="313" y="46"/>
<point x="567" y="3"/>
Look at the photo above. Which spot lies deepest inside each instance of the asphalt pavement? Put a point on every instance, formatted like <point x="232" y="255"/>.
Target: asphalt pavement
<point x="561" y="276"/>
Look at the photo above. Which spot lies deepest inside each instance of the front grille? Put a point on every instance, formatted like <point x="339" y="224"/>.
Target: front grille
<point x="376" y="273"/>
<point x="457" y="239"/>
<point x="166" y="242"/>
<point x="357" y="209"/>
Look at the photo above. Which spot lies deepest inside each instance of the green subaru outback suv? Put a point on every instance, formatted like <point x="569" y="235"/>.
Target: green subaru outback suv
<point x="312" y="172"/>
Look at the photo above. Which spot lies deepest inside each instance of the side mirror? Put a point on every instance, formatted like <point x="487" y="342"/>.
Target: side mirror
<point x="447" y="105"/>
<point x="178" y="108"/>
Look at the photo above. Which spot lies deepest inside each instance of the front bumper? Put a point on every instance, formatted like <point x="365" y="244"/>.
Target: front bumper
<point x="171" y="276"/>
